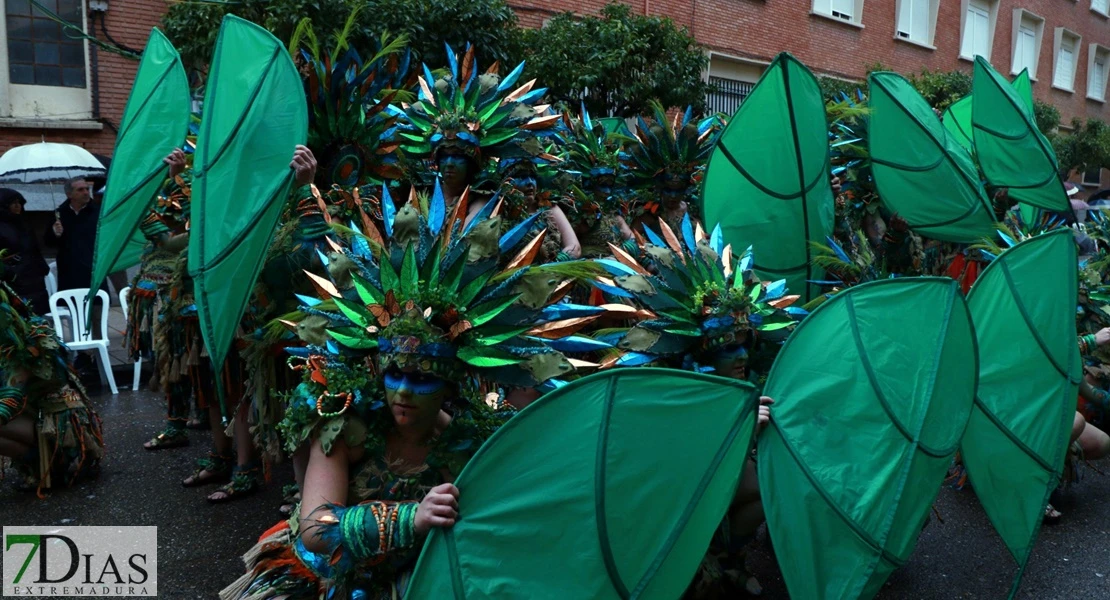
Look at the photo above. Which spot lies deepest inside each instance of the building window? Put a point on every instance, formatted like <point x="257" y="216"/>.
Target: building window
<point x="1067" y="50"/>
<point x="1028" y="29"/>
<point x="917" y="20"/>
<point x="727" y="95"/>
<point x="1092" y="177"/>
<point x="39" y="53"/>
<point x="1102" y="7"/>
<point x="1096" y="72"/>
<point x="978" y="29"/>
<point x="849" y="11"/>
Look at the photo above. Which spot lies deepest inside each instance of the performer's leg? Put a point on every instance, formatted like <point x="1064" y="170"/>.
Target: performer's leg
<point x="20" y="430"/>
<point x="1094" y="442"/>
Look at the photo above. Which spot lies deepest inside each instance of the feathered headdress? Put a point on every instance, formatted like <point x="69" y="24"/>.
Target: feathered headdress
<point x="27" y="342"/>
<point x="701" y="297"/>
<point x="350" y="128"/>
<point x="671" y="154"/>
<point x="593" y="156"/>
<point x="452" y="300"/>
<point x="474" y="113"/>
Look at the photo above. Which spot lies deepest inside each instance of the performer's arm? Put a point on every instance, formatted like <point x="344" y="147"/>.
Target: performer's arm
<point x="13" y="399"/>
<point x="571" y="248"/>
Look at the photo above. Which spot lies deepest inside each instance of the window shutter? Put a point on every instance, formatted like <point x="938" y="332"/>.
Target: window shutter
<point x="845" y="7"/>
<point x="921" y="20"/>
<point x="982" y="32"/>
<point x="1027" y="39"/>
<point x="1065" y="65"/>
<point x="905" y="19"/>
<point x="1097" y="84"/>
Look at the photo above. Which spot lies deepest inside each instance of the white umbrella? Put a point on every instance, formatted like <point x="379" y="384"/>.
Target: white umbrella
<point x="48" y="162"/>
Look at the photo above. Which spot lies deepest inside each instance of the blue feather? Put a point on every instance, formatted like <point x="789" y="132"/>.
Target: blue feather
<point x="532" y="96"/>
<point x="323" y="259"/>
<point x="389" y="211"/>
<point x="775" y="290"/>
<point x="745" y="263"/>
<point x="517" y="233"/>
<point x="615" y="267"/>
<point x="511" y="78"/>
<point x="298" y="351"/>
<point x="575" y="343"/>
<point x="1009" y="241"/>
<point x="838" y="250"/>
<point x="716" y="240"/>
<point x="655" y="239"/>
<point x="331" y="347"/>
<point x="612" y="290"/>
<point x="634" y="359"/>
<point x="688" y="234"/>
<point x="452" y="62"/>
<point x="566" y="310"/>
<point x="437" y="210"/>
<point x="308" y="301"/>
<point x="482" y="215"/>
<point x="796" y="311"/>
<point x="587" y="122"/>
<point x="430" y="80"/>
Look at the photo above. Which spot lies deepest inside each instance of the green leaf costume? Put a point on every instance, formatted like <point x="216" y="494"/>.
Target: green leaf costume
<point x="872" y="394"/>
<point x="767" y="183"/>
<point x="1024" y="310"/>
<point x="153" y="125"/>
<point x="638" y="468"/>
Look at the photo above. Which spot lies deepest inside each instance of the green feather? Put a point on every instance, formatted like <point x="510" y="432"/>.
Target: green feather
<point x="410" y="275"/>
<point x="387" y="275"/>
<point x="492" y="339"/>
<point x="486" y="311"/>
<point x="486" y="357"/>
<point x="356" y="313"/>
<point x="366" y="291"/>
<point x="470" y="290"/>
<point x="353" y="337"/>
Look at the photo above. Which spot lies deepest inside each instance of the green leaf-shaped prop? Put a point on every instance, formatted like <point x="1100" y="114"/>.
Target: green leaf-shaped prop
<point x="767" y="182"/>
<point x="872" y="393"/>
<point x="153" y="125"/>
<point x="921" y="172"/>
<point x="1023" y="305"/>
<point x="957" y="119"/>
<point x="638" y="468"/>
<point x="1010" y="149"/>
<point x="254" y="117"/>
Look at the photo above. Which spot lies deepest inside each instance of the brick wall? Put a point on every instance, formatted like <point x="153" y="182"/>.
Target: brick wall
<point x="758" y="29"/>
<point x="129" y="23"/>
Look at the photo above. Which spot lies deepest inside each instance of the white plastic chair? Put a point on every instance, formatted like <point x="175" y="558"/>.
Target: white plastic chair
<point x="123" y="295"/>
<point x="51" y="289"/>
<point x="82" y="338"/>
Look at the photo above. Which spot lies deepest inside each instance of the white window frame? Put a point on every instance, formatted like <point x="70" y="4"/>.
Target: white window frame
<point x="931" y="30"/>
<point x="991" y="22"/>
<point x="828" y="9"/>
<point x="23" y="104"/>
<point x="1020" y="15"/>
<point x="1087" y="182"/>
<point x="1059" y="39"/>
<point x="1104" y="11"/>
<point x="1095" y="52"/>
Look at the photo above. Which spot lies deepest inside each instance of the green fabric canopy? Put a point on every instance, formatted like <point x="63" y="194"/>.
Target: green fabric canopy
<point x="1010" y="149"/>
<point x="610" y="487"/>
<point x="1024" y="88"/>
<point x="154" y="123"/>
<point x="1023" y="305"/>
<point x="872" y="393"/>
<point x="921" y="172"/>
<point x="614" y="125"/>
<point x="767" y="181"/>
<point x="254" y="116"/>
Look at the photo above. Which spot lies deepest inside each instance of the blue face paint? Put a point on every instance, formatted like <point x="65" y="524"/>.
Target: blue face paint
<point x="420" y="384"/>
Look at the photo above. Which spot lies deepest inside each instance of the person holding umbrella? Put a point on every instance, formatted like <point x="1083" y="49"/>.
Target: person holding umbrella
<point x="25" y="269"/>
<point x="74" y="235"/>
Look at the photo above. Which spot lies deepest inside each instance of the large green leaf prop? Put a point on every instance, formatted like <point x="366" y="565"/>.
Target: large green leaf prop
<point x="1009" y="147"/>
<point x="610" y="487"/>
<point x="957" y="121"/>
<point x="1023" y="305"/>
<point x="957" y="118"/>
<point x="154" y="123"/>
<point x="872" y="393"/>
<point x="767" y="182"/>
<point x="254" y="117"/>
<point x="921" y="172"/>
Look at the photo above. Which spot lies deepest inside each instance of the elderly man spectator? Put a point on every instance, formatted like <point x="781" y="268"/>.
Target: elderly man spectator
<point x="74" y="235"/>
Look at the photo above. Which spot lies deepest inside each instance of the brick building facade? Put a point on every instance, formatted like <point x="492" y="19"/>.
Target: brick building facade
<point x="33" y="107"/>
<point x="842" y="38"/>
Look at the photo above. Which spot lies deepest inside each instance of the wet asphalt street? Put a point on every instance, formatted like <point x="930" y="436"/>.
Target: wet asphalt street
<point x="200" y="544"/>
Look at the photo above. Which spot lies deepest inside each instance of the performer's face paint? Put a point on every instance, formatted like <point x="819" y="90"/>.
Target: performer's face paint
<point x="415" y="398"/>
<point x="673" y="191"/>
<point x="525" y="183"/>
<point x="731" y="361"/>
<point x="454" y="168"/>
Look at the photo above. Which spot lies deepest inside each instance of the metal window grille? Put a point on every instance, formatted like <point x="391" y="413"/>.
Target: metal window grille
<point x="728" y="95"/>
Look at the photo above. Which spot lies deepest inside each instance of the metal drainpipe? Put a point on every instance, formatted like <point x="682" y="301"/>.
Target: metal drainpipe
<point x="94" y="63"/>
